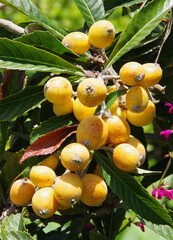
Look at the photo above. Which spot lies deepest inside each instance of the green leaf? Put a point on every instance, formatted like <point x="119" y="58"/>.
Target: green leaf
<point x="109" y="4"/>
<point x="139" y="27"/>
<point x="131" y="192"/>
<point x="17" y="55"/>
<point x="15" y="235"/>
<point x="95" y="236"/>
<point x="15" y="105"/>
<point x="3" y="136"/>
<point x="14" y="222"/>
<point x="163" y="231"/>
<point x="92" y="10"/>
<point x="112" y="97"/>
<point x="51" y="125"/>
<point x="29" y="8"/>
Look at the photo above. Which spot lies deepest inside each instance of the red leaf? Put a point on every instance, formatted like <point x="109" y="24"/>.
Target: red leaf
<point x="49" y="142"/>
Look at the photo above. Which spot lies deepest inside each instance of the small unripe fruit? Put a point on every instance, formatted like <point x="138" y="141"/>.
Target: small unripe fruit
<point x="68" y="189"/>
<point x="63" y="108"/>
<point x="58" y="90"/>
<point x="132" y="73"/>
<point x="94" y="190"/>
<point x="118" y="129"/>
<point x="139" y="146"/>
<point x="44" y="202"/>
<point x="111" y="89"/>
<point x="77" y="41"/>
<point x="126" y="157"/>
<point x="75" y="157"/>
<point x="22" y="191"/>
<point x="137" y="99"/>
<point x="92" y="132"/>
<point x="81" y="111"/>
<point x="142" y="118"/>
<point x="91" y="92"/>
<point x="51" y="161"/>
<point x="153" y="74"/>
<point x="101" y="34"/>
<point x="42" y="176"/>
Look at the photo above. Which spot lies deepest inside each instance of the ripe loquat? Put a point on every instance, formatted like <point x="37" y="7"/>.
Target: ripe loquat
<point x="44" y="202"/>
<point x="142" y="118"/>
<point x="22" y="191"/>
<point x="153" y="74"/>
<point x="42" y="176"/>
<point x="111" y="89"/>
<point x="101" y="34"/>
<point x="75" y="157"/>
<point x="58" y="90"/>
<point x="126" y="157"/>
<point x="81" y="111"/>
<point x="77" y="41"/>
<point x="68" y="189"/>
<point x="51" y="161"/>
<point x="92" y="132"/>
<point x="91" y="92"/>
<point x="137" y="99"/>
<point x="94" y="190"/>
<point x="118" y="129"/>
<point x="63" y="108"/>
<point x="139" y="146"/>
<point x="132" y="73"/>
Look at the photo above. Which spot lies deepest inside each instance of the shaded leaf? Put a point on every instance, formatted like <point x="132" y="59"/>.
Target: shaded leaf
<point x="51" y="125"/>
<point x="3" y="136"/>
<point x="49" y="142"/>
<point x="92" y="10"/>
<point x="15" y="235"/>
<point x="109" y="4"/>
<point x="17" y="55"/>
<point x="29" y="8"/>
<point x="112" y="97"/>
<point x="139" y="27"/>
<point x="131" y="192"/>
<point x="16" y="104"/>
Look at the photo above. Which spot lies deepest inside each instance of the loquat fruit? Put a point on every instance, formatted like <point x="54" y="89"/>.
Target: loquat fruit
<point x="137" y="99"/>
<point x="44" y="203"/>
<point x="75" y="157"/>
<point x="101" y="34"/>
<point x="142" y="118"/>
<point x="139" y="146"/>
<point x="58" y="90"/>
<point x="77" y="41"/>
<point x="97" y="171"/>
<point x="51" y="161"/>
<point x="153" y="74"/>
<point x="132" y="73"/>
<point x="68" y="189"/>
<point x="94" y="190"/>
<point x="63" y="108"/>
<point x="42" y="176"/>
<point x="91" y="92"/>
<point x="22" y="191"/>
<point x="81" y="111"/>
<point x="111" y="89"/>
<point x="118" y="129"/>
<point x="126" y="157"/>
<point x="92" y="132"/>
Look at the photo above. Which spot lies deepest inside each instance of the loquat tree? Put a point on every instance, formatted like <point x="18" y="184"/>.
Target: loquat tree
<point x="86" y="123"/>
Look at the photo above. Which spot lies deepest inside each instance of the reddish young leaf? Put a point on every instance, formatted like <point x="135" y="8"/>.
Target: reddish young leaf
<point x="49" y="142"/>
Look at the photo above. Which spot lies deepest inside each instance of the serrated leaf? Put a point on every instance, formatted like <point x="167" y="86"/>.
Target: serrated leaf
<point x="29" y="8"/>
<point x="131" y="192"/>
<point x="110" y="5"/>
<point x="17" y="55"/>
<point x="14" y="222"/>
<point x="139" y="27"/>
<point x="163" y="231"/>
<point x="49" y="142"/>
<point x="92" y="10"/>
<point x="47" y="41"/>
<point x="16" y="104"/>
<point x="51" y="125"/>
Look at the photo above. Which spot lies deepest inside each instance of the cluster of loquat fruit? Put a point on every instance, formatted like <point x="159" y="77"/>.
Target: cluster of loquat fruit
<point x="48" y="192"/>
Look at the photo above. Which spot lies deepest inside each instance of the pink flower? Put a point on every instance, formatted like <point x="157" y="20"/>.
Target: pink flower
<point x="170" y="107"/>
<point x="161" y="191"/>
<point x="168" y="194"/>
<point x="141" y="225"/>
<point x="166" y="134"/>
<point x="154" y="193"/>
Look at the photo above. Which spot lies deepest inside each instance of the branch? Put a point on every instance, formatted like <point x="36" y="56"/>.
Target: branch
<point x="11" y="26"/>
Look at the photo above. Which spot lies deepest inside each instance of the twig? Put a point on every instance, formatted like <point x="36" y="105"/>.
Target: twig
<point x="2" y="6"/>
<point x="11" y="26"/>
